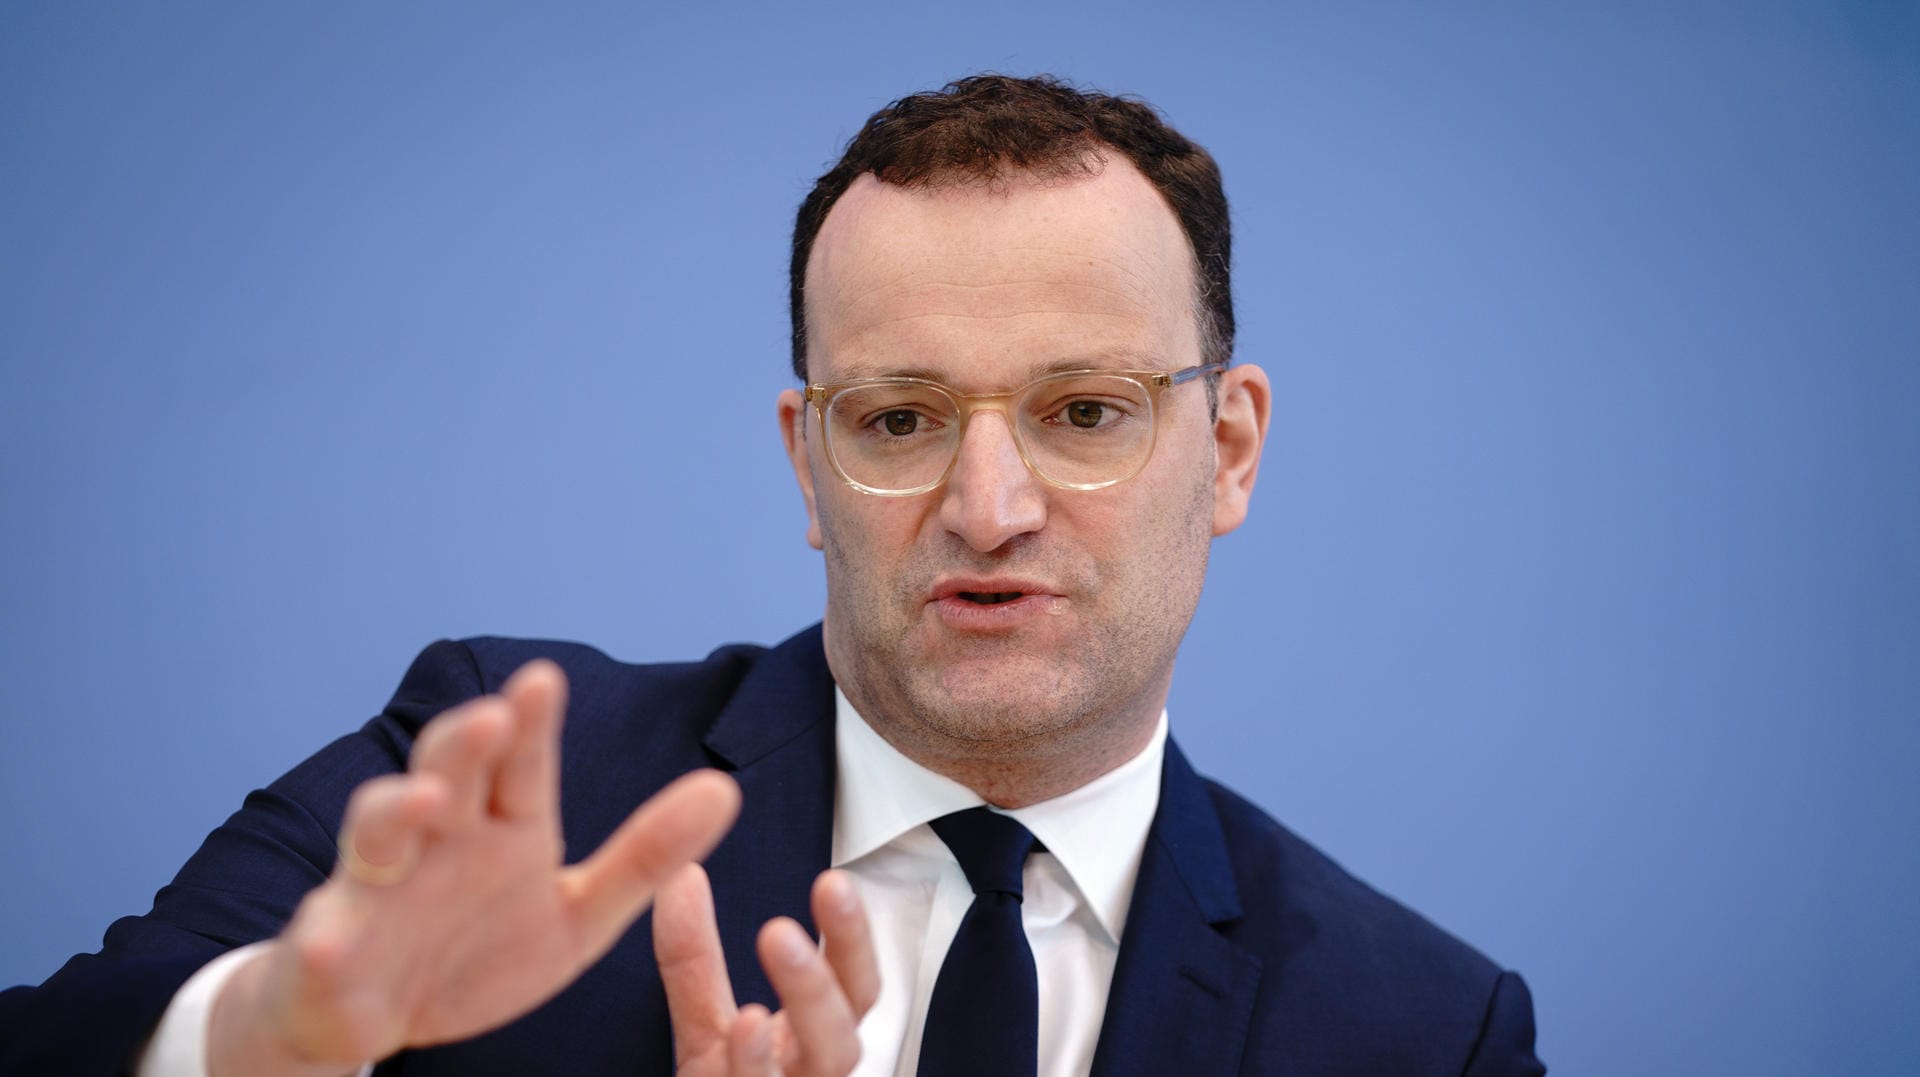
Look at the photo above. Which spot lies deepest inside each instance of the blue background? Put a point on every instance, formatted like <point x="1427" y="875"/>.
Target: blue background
<point x="1580" y="606"/>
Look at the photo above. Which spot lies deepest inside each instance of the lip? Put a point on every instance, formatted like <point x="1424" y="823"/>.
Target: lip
<point x="955" y="586"/>
<point x="1036" y="600"/>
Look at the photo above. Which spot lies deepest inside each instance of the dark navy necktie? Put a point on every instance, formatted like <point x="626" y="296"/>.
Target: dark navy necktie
<point x="983" y="1019"/>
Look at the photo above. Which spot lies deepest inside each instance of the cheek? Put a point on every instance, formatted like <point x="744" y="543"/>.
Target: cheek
<point x="865" y="538"/>
<point x="1170" y="531"/>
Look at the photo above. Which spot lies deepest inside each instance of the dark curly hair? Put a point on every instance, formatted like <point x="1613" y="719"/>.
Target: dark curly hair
<point x="976" y="129"/>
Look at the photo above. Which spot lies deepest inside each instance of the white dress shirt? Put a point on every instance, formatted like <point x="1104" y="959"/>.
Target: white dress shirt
<point x="1076" y="893"/>
<point x="1075" y="904"/>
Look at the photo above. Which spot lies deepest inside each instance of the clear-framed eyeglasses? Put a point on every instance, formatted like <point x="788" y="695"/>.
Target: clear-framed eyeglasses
<point x="1079" y="429"/>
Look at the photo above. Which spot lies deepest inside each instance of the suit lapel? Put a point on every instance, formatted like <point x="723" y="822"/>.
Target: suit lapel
<point x="776" y="736"/>
<point x="1182" y="995"/>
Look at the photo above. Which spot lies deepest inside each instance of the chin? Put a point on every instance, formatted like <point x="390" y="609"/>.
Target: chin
<point x="1004" y="699"/>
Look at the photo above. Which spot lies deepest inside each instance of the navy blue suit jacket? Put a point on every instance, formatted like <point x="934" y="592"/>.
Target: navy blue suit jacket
<point x="1246" y="950"/>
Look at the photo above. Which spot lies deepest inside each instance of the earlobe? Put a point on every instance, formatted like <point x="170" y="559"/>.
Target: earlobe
<point x="1239" y="432"/>
<point x="791" y="409"/>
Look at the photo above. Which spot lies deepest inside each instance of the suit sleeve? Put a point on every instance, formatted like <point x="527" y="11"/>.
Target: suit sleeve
<point x="1505" y="1048"/>
<point x="241" y="886"/>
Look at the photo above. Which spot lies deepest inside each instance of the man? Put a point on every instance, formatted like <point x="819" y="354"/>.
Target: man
<point x="1018" y="436"/>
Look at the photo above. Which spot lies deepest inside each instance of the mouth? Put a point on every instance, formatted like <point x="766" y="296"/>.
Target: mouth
<point x="988" y="598"/>
<point x="988" y="590"/>
<point x="993" y="604"/>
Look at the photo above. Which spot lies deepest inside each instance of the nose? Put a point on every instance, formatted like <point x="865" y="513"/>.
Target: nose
<point x="990" y="497"/>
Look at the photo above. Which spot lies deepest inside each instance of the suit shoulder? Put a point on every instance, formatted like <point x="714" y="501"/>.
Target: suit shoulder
<point x="496" y="657"/>
<point x="1373" y="958"/>
<point x="449" y="672"/>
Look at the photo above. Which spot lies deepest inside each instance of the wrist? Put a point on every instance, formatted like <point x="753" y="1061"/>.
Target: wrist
<point x="245" y="1040"/>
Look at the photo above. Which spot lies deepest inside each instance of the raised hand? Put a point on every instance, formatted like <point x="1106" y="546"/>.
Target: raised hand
<point x="451" y="912"/>
<point x="822" y="995"/>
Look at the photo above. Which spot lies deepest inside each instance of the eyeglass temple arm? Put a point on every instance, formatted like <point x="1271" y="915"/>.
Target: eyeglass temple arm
<point x="1181" y="377"/>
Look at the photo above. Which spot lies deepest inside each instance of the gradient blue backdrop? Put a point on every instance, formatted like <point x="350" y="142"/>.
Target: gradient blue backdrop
<point x="1580" y="606"/>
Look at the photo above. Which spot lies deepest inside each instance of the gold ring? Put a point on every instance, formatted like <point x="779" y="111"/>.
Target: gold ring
<point x="361" y="870"/>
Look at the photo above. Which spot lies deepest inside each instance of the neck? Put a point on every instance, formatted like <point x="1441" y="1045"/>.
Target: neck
<point x="1014" y="772"/>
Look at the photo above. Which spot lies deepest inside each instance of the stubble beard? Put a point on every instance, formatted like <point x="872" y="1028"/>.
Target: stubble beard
<point x="985" y="701"/>
<point x="946" y="695"/>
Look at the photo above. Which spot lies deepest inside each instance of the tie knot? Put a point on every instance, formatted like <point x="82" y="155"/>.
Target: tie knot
<point x="991" y="848"/>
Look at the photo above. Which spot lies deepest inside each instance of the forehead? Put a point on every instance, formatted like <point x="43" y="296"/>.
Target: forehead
<point x="986" y="285"/>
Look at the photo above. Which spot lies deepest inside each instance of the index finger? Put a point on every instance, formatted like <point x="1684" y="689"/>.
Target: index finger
<point x="686" y="946"/>
<point x="823" y="1034"/>
<point x="527" y="783"/>
<point x="848" y="939"/>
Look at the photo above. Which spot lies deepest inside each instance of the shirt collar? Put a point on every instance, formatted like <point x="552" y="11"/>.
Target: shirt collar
<point x="1097" y="832"/>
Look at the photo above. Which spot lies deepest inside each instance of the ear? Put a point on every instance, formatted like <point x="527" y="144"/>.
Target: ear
<point x="1239" y="431"/>
<point x="792" y="409"/>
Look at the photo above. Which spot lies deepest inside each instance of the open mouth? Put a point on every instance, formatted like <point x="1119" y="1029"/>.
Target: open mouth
<point x="989" y="598"/>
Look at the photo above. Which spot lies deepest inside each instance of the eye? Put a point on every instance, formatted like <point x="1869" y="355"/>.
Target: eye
<point x="896" y="413"/>
<point x="1089" y="413"/>
<point x="898" y="424"/>
<point x="1085" y="414"/>
<point x="1086" y="403"/>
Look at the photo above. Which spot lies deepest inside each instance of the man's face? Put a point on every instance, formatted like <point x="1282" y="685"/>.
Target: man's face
<point x="985" y="289"/>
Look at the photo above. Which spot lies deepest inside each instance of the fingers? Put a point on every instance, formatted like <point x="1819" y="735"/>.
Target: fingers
<point x="678" y="825"/>
<point x="464" y="746"/>
<point x="823" y="996"/>
<point x="527" y="784"/>
<point x="750" y="1043"/>
<point x="686" y="945"/>
<point x="500" y="754"/>
<point x="848" y="939"/>
<point x="386" y="823"/>
<point x="823" y="1029"/>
